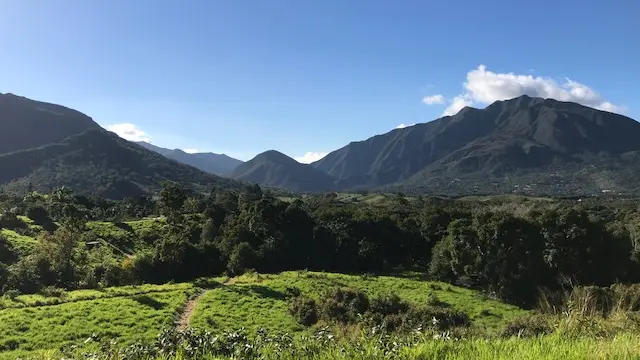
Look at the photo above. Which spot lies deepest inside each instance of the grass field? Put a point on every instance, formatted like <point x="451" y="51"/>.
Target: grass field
<point x="254" y="301"/>
<point x="21" y="243"/>
<point x="129" y="236"/>
<point x="129" y="314"/>
<point x="36" y="326"/>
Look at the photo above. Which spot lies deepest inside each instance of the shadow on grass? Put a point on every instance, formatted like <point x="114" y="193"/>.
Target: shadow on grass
<point x="149" y="301"/>
<point x="124" y="226"/>
<point x="259" y="290"/>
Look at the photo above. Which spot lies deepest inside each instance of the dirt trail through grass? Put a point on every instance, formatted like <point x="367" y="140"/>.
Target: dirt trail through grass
<point x="185" y="317"/>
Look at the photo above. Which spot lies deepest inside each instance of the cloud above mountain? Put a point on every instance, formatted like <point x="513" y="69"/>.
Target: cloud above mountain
<point x="483" y="86"/>
<point x="310" y="157"/>
<point x="402" y="126"/>
<point x="129" y="131"/>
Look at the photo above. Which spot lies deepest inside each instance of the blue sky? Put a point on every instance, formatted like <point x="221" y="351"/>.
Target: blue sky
<point x="302" y="76"/>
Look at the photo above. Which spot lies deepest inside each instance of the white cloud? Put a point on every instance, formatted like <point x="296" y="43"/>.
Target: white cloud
<point x="129" y="132"/>
<point x="310" y="157"/>
<point x="457" y="104"/>
<point x="402" y="126"/>
<point x="485" y="87"/>
<point x="433" y="99"/>
<point x="190" y="151"/>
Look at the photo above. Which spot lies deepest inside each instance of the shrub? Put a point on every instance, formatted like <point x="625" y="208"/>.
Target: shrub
<point x="52" y="291"/>
<point x="292" y="291"/>
<point x="435" y="287"/>
<point x="206" y="283"/>
<point x="12" y="294"/>
<point x="9" y="220"/>
<point x="434" y="301"/>
<point x="344" y="305"/>
<point x="590" y="300"/>
<point x="40" y="216"/>
<point x="527" y="326"/>
<point x="439" y="317"/>
<point x="388" y="304"/>
<point x="304" y="310"/>
<point x="627" y="297"/>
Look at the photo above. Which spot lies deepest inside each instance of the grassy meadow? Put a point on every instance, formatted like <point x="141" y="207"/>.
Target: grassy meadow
<point x="257" y="301"/>
<point x="40" y="326"/>
<point x="35" y="323"/>
<point x="31" y="324"/>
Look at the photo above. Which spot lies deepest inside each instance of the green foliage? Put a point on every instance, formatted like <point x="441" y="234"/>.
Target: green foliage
<point x="304" y="310"/>
<point x="20" y="244"/>
<point x="528" y="326"/>
<point x="344" y="305"/>
<point x="172" y="199"/>
<point x="388" y="304"/>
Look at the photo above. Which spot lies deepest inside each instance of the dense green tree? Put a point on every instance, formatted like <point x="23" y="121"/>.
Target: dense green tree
<point x="242" y="258"/>
<point x="171" y="200"/>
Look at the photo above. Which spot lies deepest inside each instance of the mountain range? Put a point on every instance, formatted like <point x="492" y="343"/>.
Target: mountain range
<point x="528" y="145"/>
<point x="218" y="164"/>
<point x="534" y="145"/>
<point x="44" y="146"/>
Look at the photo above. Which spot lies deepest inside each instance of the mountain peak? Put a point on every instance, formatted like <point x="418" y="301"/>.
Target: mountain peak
<point x="26" y="123"/>
<point x="275" y="169"/>
<point x="522" y="135"/>
<point x="275" y="156"/>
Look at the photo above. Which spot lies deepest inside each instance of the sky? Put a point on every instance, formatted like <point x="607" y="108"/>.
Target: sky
<point x="307" y="77"/>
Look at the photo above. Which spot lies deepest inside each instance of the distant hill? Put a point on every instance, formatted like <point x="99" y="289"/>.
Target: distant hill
<point x="274" y="169"/>
<point x="26" y="123"/>
<point x="98" y="162"/>
<point x="539" y="145"/>
<point x="219" y="164"/>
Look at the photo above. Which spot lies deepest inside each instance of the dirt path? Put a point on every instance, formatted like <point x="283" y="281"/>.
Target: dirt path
<point x="185" y="317"/>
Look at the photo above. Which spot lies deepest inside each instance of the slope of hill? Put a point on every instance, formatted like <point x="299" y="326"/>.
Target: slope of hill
<point x="274" y="169"/>
<point x="218" y="164"/>
<point x="98" y="162"/>
<point x="518" y="142"/>
<point x="26" y="123"/>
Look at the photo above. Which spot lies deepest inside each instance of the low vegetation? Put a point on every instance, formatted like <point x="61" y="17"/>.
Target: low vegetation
<point x="327" y="276"/>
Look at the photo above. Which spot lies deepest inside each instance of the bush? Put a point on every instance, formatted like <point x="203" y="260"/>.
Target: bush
<point x="40" y="216"/>
<point x="292" y="291"/>
<point x="527" y="326"/>
<point x="304" y="310"/>
<point x="52" y="291"/>
<point x="344" y="305"/>
<point x="206" y="283"/>
<point x="388" y="305"/>
<point x="9" y="220"/>
<point x="434" y="301"/>
<point x="439" y="317"/>
<point x="591" y="300"/>
<point x="419" y="317"/>
<point x="12" y="294"/>
<point x="627" y="297"/>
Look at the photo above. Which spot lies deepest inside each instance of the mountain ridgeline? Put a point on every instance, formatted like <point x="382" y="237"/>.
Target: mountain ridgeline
<point x="275" y="169"/>
<point x="44" y="146"/>
<point x="218" y="164"/>
<point x="530" y="145"/>
<point x="26" y="123"/>
<point x="523" y="145"/>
